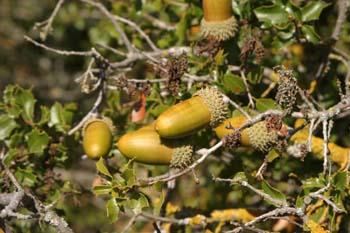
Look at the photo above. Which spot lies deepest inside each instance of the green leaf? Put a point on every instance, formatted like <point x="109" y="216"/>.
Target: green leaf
<point x="37" y="141"/>
<point x="19" y="102"/>
<point x="26" y="176"/>
<point x="7" y="125"/>
<point x="61" y="117"/>
<point x="341" y="180"/>
<point x="313" y="184"/>
<point x="137" y="202"/>
<point x="310" y="34"/>
<point x="313" y="10"/>
<point x="102" y="190"/>
<point x="26" y="101"/>
<point x="264" y="104"/>
<point x="274" y="193"/>
<point x="294" y="10"/>
<point x="45" y="115"/>
<point x="112" y="209"/>
<point x="101" y="167"/>
<point x="130" y="178"/>
<point x="57" y="117"/>
<point x="240" y="176"/>
<point x="274" y="14"/>
<point x="272" y="155"/>
<point x="233" y="83"/>
<point x="255" y="75"/>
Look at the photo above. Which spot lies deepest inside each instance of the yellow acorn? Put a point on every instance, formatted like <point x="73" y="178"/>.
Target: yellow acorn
<point x="218" y="20"/>
<point x="205" y="108"/>
<point x="97" y="137"/>
<point x="258" y="135"/>
<point x="146" y="146"/>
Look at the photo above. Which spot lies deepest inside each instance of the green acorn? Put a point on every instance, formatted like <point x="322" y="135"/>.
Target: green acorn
<point x="205" y="108"/>
<point x="97" y="137"/>
<point x="146" y="146"/>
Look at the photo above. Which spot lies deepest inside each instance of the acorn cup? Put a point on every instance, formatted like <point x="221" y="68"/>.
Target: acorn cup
<point x="259" y="136"/>
<point x="97" y="137"/>
<point x="205" y="108"/>
<point x="146" y="146"/>
<point x="218" y="20"/>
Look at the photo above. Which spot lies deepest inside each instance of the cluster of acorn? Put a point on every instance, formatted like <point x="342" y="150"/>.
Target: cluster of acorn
<point x="166" y="141"/>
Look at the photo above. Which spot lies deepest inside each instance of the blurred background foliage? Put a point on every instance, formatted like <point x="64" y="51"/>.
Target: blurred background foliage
<point x="79" y="27"/>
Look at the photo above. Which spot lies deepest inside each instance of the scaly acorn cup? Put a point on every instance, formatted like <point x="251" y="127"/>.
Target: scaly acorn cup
<point x="338" y="154"/>
<point x="258" y="135"/>
<point x="97" y="137"/>
<point x="205" y="108"/>
<point x="146" y="146"/>
<point x="218" y="20"/>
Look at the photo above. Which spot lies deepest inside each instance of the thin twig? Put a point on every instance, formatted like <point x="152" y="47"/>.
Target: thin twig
<point x="61" y="52"/>
<point x="116" y="25"/>
<point x="139" y="30"/>
<point x="93" y="110"/>
<point x="48" y="22"/>
<point x="252" y="188"/>
<point x="248" y="90"/>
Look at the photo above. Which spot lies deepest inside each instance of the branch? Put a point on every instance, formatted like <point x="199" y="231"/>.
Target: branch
<point x="255" y="190"/>
<point x="48" y="22"/>
<point x="112" y="18"/>
<point x="47" y="215"/>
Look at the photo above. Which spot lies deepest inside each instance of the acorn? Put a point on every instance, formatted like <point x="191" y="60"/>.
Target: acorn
<point x="205" y="108"/>
<point x="259" y="135"/>
<point x="97" y="137"/>
<point x="146" y="146"/>
<point x="218" y="20"/>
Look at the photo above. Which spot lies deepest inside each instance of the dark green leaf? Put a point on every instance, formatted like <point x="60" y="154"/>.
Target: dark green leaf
<point x="112" y="209"/>
<point x="313" y="10"/>
<point x="264" y="104"/>
<point x="274" y="193"/>
<point x="294" y="10"/>
<point x="7" y="124"/>
<point x="37" y="141"/>
<point x="310" y="34"/>
<point x="101" y="167"/>
<point x="274" y="14"/>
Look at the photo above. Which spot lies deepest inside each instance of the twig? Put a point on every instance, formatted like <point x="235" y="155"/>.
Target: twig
<point x="342" y="8"/>
<point x="129" y="224"/>
<point x="248" y="91"/>
<point x="255" y="190"/>
<point x="47" y="215"/>
<point x="158" y="23"/>
<point x="139" y="30"/>
<point x="204" y="152"/>
<point x="329" y="202"/>
<point x="48" y="22"/>
<point x="274" y="213"/>
<point x="93" y="110"/>
<point x="234" y="104"/>
<point x="111" y="17"/>
<point x="61" y="52"/>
